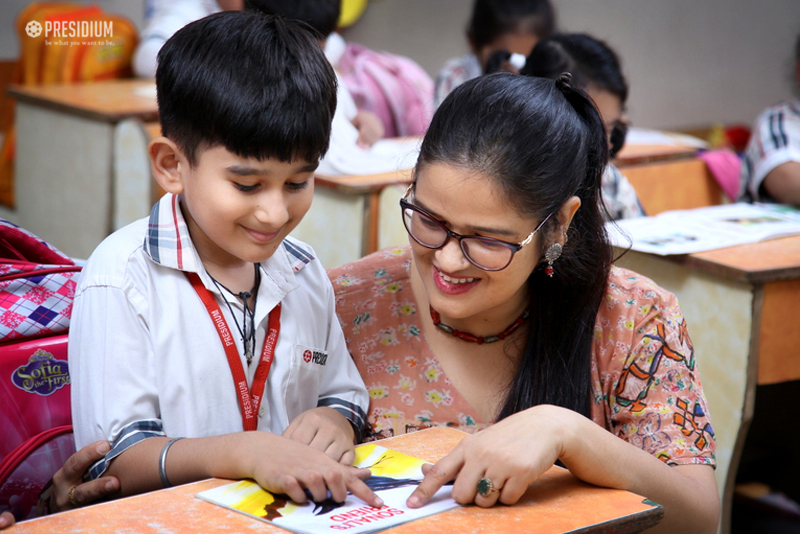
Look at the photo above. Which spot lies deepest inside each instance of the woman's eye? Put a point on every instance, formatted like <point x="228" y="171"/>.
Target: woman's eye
<point x="245" y="188"/>
<point x="430" y="223"/>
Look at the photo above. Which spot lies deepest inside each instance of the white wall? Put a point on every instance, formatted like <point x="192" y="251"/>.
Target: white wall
<point x="689" y="62"/>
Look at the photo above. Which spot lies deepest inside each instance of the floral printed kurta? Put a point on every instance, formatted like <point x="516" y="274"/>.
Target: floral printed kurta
<point x="645" y="384"/>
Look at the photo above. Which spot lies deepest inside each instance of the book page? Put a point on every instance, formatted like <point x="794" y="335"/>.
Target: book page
<point x="689" y="231"/>
<point x="394" y="477"/>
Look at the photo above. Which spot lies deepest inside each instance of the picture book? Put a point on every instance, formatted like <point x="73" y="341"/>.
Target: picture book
<point x="394" y="477"/>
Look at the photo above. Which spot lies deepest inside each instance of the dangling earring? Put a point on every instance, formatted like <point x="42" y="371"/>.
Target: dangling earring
<point x="552" y="254"/>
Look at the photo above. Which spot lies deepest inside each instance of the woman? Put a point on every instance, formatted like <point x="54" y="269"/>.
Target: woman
<point x="505" y="315"/>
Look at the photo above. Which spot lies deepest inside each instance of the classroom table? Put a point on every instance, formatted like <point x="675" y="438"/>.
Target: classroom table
<point x="64" y="164"/>
<point x="557" y="502"/>
<point x="740" y="305"/>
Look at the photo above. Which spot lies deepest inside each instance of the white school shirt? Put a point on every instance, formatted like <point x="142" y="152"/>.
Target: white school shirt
<point x="146" y="359"/>
<point x="775" y="140"/>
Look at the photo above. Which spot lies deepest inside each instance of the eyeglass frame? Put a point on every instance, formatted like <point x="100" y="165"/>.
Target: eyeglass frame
<point x="514" y="247"/>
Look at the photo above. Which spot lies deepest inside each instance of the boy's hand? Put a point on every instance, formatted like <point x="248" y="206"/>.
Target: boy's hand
<point x="370" y="128"/>
<point x="326" y="430"/>
<point x="291" y="468"/>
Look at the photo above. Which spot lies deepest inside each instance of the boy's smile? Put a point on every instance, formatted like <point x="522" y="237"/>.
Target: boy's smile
<point x="238" y="210"/>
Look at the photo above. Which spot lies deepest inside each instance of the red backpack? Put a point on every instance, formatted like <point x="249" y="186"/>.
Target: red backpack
<point x="37" y="286"/>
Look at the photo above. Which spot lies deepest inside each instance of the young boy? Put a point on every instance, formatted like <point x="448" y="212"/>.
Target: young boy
<point x="169" y="308"/>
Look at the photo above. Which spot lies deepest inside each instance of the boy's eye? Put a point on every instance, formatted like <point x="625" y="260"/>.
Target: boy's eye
<point x="245" y="188"/>
<point x="297" y="186"/>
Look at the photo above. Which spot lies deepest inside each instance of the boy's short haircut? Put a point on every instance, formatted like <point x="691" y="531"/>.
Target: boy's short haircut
<point x="258" y="85"/>
<point x="322" y="15"/>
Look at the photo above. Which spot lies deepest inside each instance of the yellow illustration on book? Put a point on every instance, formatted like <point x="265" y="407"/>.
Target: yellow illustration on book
<point x="390" y="469"/>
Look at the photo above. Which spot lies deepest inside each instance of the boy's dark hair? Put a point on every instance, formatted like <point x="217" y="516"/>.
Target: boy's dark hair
<point x="492" y="18"/>
<point x="322" y="15"/>
<point x="258" y="85"/>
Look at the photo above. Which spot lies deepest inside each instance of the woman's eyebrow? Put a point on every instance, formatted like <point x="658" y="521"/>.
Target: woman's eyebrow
<point x="483" y="229"/>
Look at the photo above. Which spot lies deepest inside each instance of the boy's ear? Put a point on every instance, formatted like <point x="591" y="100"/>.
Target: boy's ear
<point x="168" y="164"/>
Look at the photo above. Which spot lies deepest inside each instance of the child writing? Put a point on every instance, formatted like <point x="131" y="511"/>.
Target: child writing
<point x="210" y="286"/>
<point x="512" y="25"/>
<point x="595" y="69"/>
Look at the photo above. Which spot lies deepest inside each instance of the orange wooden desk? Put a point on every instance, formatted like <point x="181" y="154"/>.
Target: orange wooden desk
<point x="668" y="177"/>
<point x="556" y="503"/>
<point x="66" y="191"/>
<point x="741" y="307"/>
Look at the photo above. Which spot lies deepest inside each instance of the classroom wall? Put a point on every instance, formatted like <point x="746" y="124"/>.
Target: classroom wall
<point x="689" y="63"/>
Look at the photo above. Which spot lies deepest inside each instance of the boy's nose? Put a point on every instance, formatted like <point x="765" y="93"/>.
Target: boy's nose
<point x="272" y="211"/>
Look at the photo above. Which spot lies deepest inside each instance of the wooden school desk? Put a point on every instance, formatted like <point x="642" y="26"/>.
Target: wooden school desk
<point x="668" y="177"/>
<point x="556" y="503"/>
<point x="64" y="163"/>
<point x="740" y="304"/>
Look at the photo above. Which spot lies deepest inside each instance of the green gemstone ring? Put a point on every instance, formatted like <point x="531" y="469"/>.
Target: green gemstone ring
<point x="486" y="487"/>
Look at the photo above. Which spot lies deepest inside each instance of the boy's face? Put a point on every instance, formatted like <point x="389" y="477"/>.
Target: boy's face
<point x="238" y="210"/>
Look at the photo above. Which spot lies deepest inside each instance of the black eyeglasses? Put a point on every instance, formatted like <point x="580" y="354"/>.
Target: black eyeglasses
<point x="485" y="253"/>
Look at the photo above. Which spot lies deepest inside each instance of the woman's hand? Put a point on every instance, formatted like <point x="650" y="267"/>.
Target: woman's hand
<point x="326" y="430"/>
<point x="511" y="454"/>
<point x="70" y="479"/>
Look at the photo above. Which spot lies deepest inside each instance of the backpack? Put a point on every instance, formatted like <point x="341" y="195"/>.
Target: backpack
<point x="393" y="87"/>
<point x="37" y="286"/>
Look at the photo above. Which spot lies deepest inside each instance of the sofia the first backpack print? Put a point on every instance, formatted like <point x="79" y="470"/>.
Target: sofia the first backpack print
<point x="37" y="285"/>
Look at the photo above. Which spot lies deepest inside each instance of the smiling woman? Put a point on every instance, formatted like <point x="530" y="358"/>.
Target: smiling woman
<point x="505" y="316"/>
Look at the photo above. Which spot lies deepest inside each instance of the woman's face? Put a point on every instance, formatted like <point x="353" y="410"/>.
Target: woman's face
<point x="470" y="203"/>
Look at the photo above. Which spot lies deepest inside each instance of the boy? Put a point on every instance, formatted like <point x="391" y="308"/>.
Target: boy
<point x="245" y="103"/>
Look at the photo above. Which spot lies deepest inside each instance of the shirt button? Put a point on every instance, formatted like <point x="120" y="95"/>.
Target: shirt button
<point x="262" y="411"/>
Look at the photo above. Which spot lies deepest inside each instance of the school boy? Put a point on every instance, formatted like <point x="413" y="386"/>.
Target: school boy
<point x="210" y="286"/>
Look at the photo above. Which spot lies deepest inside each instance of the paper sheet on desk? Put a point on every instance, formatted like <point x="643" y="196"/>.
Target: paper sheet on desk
<point x="345" y="157"/>
<point x="689" y="231"/>
<point x="644" y="136"/>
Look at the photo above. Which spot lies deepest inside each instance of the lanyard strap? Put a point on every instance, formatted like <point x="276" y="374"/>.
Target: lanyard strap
<point x="249" y="401"/>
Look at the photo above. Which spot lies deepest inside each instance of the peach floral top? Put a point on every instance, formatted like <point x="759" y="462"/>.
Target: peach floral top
<point x="645" y="384"/>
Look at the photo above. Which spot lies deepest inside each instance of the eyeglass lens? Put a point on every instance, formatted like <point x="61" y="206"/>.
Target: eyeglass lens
<point x="484" y="253"/>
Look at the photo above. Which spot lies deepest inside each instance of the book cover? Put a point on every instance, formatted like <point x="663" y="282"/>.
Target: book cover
<point x="394" y="477"/>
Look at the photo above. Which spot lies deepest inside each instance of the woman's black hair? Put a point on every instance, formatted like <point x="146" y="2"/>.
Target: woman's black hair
<point x="591" y="63"/>
<point x="492" y="18"/>
<point x="542" y="141"/>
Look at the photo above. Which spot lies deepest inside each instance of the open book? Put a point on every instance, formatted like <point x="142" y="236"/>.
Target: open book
<point x="394" y="476"/>
<point x="689" y="231"/>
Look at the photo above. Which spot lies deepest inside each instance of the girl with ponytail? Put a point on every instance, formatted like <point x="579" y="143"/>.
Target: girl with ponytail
<point x="505" y="318"/>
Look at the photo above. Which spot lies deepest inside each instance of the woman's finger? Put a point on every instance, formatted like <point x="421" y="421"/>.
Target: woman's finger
<point x="488" y="489"/>
<point x="437" y="476"/>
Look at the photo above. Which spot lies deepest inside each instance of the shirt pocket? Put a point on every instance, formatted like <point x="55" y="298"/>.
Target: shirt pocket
<point x="308" y="368"/>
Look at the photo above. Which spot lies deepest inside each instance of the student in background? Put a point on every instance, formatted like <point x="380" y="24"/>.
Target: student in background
<point x="595" y="68"/>
<point x="322" y="16"/>
<point x="771" y="166"/>
<point x="210" y="286"/>
<point x="162" y="19"/>
<point x="512" y="25"/>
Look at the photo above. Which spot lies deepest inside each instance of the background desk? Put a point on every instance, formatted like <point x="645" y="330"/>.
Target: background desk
<point x="740" y="304"/>
<point x="668" y="177"/>
<point x="557" y="502"/>
<point x="64" y="166"/>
